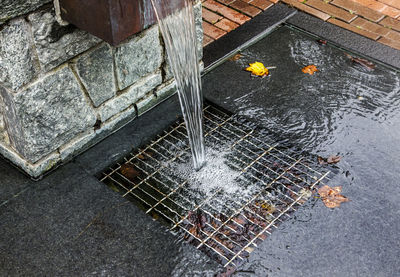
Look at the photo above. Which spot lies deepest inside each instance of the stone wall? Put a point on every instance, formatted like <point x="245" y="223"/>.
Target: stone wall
<point x="62" y="89"/>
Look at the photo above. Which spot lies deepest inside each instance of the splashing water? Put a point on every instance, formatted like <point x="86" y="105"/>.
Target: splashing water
<point x="176" y="21"/>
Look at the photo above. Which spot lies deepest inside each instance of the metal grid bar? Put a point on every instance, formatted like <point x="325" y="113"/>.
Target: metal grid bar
<point x="229" y="233"/>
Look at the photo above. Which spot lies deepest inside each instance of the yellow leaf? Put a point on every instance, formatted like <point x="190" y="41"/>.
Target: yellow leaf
<point x="310" y="69"/>
<point x="258" y="69"/>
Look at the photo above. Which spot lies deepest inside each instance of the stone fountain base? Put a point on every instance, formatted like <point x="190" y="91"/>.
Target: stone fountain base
<point x="62" y="89"/>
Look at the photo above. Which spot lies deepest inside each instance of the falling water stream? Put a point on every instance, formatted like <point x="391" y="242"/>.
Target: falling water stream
<point x="177" y="24"/>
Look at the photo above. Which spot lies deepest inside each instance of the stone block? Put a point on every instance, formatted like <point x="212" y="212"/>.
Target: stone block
<point x="12" y="8"/>
<point x="17" y="65"/>
<point x="138" y="57"/>
<point x="147" y="103"/>
<point x="166" y="90"/>
<point x="47" y="114"/>
<point x="96" y="70"/>
<point x="129" y="97"/>
<point x="56" y="44"/>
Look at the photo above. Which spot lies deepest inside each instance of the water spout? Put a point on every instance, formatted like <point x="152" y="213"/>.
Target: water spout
<point x="177" y="24"/>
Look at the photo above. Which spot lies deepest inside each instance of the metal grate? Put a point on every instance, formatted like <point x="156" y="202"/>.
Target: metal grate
<point x="280" y="179"/>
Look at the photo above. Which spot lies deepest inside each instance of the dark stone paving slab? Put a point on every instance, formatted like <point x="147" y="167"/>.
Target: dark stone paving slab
<point x="70" y="224"/>
<point x="259" y="25"/>
<point x="347" y="39"/>
<point x="12" y="182"/>
<point x="324" y="114"/>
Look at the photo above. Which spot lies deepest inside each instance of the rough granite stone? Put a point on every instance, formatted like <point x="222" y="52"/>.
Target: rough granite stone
<point x="56" y="44"/>
<point x="138" y="57"/>
<point x="147" y="103"/>
<point x="3" y="131"/>
<point x="96" y="70"/>
<point x="16" y="55"/>
<point x="90" y="138"/>
<point x="129" y="97"/>
<point x="166" y="90"/>
<point x="47" y="114"/>
<point x="12" y="8"/>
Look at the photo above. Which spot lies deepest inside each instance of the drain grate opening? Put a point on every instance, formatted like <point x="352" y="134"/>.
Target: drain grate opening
<point x="271" y="182"/>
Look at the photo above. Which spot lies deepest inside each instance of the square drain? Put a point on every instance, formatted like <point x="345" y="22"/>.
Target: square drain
<point x="227" y="224"/>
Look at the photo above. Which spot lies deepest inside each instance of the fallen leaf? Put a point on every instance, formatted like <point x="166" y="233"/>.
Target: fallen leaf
<point x="329" y="160"/>
<point x="321" y="160"/>
<point x="333" y="159"/>
<point x="140" y="156"/>
<point x="361" y="61"/>
<point x="258" y="69"/>
<point x="309" y="69"/>
<point x="331" y="196"/>
<point x="236" y="57"/>
<point x="322" y="41"/>
<point x="129" y="171"/>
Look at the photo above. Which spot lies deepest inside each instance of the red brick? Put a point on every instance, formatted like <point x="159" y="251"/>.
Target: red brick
<point x="393" y="35"/>
<point x="359" y="9"/>
<point x="262" y="4"/>
<point x="210" y="16"/>
<point x="227" y="25"/>
<point x="245" y="8"/>
<point x="331" y="10"/>
<point x="391" y="43"/>
<point x="392" y="12"/>
<point x="307" y="9"/>
<point x="353" y="29"/>
<point x="226" y="12"/>
<point x="207" y="40"/>
<point x="393" y="3"/>
<point x="226" y="2"/>
<point x="392" y="23"/>
<point x="380" y="7"/>
<point x="372" y="4"/>
<point x="212" y="31"/>
<point x="370" y="26"/>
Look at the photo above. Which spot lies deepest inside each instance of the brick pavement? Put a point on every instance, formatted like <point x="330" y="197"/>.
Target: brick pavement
<point x="376" y="19"/>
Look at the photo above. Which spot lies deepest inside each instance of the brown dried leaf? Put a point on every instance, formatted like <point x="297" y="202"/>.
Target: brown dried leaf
<point x="333" y="159"/>
<point x="321" y="160"/>
<point x="140" y="156"/>
<point x="129" y="171"/>
<point x="236" y="57"/>
<point x="330" y="160"/>
<point x="331" y="196"/>
<point x="362" y="62"/>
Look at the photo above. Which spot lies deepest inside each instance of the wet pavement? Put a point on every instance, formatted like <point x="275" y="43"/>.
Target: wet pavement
<point x="69" y="223"/>
<point x="343" y="109"/>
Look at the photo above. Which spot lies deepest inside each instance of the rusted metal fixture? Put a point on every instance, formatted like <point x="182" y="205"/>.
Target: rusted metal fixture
<point x="110" y="20"/>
